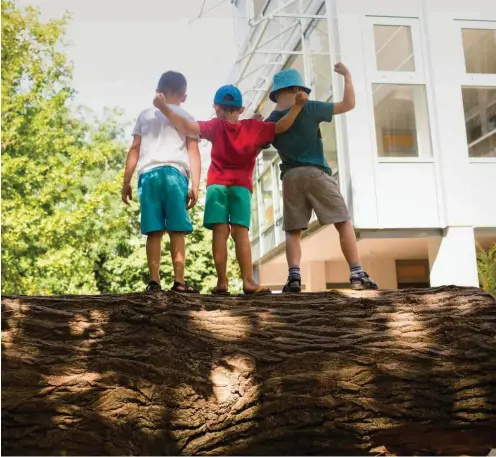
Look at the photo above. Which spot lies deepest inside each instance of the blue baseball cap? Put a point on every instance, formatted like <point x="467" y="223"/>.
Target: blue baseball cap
<point x="229" y="96"/>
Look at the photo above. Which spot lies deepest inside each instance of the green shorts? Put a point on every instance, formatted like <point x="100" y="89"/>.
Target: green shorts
<point x="227" y="205"/>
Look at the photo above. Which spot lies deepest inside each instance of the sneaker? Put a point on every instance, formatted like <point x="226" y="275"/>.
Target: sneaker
<point x="293" y="285"/>
<point x="362" y="281"/>
<point x="153" y="286"/>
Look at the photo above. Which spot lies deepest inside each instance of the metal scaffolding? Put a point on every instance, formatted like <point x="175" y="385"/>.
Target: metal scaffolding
<point x="276" y="47"/>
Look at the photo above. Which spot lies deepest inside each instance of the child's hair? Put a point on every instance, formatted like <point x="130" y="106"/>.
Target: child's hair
<point x="172" y="82"/>
<point x="228" y="108"/>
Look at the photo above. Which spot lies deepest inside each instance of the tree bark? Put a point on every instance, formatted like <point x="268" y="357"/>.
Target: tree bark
<point x="339" y="373"/>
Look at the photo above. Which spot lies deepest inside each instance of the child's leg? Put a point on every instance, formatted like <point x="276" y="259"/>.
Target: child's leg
<point x="348" y="241"/>
<point x="240" y="215"/>
<point x="178" y="255"/>
<point x="220" y="235"/>
<point x="296" y="212"/>
<point x="330" y="208"/>
<point x="243" y="255"/>
<point x="153" y="251"/>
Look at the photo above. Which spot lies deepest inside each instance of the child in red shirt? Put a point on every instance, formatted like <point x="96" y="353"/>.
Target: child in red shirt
<point x="235" y="146"/>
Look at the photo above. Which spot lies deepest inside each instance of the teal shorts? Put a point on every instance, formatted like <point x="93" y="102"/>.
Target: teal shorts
<point x="163" y="192"/>
<point x="227" y="205"/>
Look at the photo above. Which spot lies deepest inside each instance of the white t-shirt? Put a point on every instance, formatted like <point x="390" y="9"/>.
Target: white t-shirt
<point x="161" y="143"/>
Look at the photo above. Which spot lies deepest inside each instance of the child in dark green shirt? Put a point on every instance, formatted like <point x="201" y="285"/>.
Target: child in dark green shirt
<point x="307" y="180"/>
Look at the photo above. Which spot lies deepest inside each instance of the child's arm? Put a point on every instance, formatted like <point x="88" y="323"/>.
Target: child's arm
<point x="286" y="122"/>
<point x="348" y="102"/>
<point x="180" y="123"/>
<point x="195" y="165"/>
<point x="131" y="162"/>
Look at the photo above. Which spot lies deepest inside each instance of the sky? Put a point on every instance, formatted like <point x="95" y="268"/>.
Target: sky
<point x="120" y="48"/>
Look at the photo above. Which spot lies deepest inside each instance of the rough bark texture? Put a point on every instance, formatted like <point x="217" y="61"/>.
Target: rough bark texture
<point x="381" y="373"/>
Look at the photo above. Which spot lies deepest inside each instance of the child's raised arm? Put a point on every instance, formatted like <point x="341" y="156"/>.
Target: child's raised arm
<point x="287" y="121"/>
<point x="180" y="123"/>
<point x="348" y="102"/>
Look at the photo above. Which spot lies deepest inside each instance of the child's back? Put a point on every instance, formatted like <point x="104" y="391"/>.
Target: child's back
<point x="161" y="143"/>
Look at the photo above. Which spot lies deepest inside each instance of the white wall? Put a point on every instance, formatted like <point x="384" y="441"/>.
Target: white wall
<point x="450" y="190"/>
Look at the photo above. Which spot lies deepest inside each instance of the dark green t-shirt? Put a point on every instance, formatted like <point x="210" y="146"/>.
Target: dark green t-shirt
<point x="302" y="144"/>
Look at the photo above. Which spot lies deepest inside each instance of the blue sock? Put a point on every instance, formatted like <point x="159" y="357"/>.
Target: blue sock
<point x="294" y="272"/>
<point x="357" y="270"/>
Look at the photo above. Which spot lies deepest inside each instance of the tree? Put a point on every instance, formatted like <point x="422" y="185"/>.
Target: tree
<point x="407" y="372"/>
<point x="64" y="228"/>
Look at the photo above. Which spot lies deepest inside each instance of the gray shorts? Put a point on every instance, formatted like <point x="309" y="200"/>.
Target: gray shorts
<point x="309" y="188"/>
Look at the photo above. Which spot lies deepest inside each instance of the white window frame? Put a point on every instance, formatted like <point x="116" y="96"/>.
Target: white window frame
<point x="394" y="77"/>
<point x="419" y="77"/>
<point x="474" y="80"/>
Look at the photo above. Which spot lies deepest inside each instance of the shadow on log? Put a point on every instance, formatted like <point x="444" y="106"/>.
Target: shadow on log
<point x="373" y="373"/>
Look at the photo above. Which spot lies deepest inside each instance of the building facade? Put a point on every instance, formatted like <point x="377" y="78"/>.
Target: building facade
<point x="416" y="158"/>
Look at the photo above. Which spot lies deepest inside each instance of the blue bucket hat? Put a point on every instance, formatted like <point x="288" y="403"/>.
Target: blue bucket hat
<point x="228" y="96"/>
<point x="287" y="78"/>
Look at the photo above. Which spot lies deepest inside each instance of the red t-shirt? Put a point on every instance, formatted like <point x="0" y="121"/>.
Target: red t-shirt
<point x="234" y="149"/>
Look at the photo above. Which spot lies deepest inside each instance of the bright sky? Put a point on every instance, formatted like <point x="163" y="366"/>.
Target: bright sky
<point x="121" y="47"/>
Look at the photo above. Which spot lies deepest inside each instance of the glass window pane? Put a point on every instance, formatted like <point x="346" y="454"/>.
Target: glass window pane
<point x="479" y="105"/>
<point x="296" y="61"/>
<point x="401" y="120"/>
<point x="479" y="47"/>
<point x="267" y="199"/>
<point x="254" y="212"/>
<point x="393" y="48"/>
<point x="328" y="132"/>
<point x="318" y="41"/>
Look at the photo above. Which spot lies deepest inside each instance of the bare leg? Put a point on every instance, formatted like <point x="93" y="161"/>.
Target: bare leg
<point x="178" y="255"/>
<point x="293" y="248"/>
<point x="243" y="255"/>
<point x="348" y="241"/>
<point x="220" y="235"/>
<point x="153" y="251"/>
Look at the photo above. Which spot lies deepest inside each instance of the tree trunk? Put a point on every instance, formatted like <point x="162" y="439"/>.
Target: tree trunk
<point x="379" y="373"/>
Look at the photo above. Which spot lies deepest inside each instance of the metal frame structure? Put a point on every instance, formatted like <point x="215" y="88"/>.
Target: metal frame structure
<point x="277" y="56"/>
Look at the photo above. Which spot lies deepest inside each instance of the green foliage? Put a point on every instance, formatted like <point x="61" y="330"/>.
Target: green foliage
<point x="486" y="263"/>
<point x="64" y="227"/>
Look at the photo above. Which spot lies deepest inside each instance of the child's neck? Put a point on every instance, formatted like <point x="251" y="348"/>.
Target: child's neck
<point x="173" y="100"/>
<point x="233" y="118"/>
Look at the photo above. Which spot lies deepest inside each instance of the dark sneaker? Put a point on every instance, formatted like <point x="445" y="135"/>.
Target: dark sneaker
<point x="153" y="286"/>
<point x="362" y="281"/>
<point x="293" y="284"/>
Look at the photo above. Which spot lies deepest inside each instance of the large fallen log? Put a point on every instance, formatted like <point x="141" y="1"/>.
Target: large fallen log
<point x="381" y="373"/>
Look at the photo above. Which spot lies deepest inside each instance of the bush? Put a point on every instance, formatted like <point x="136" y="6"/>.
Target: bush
<point x="486" y="263"/>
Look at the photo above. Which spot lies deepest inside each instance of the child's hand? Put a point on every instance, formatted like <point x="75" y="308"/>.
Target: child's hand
<point x="127" y="193"/>
<point x="301" y="98"/>
<point x="258" y="117"/>
<point x="341" y="69"/>
<point x="192" y="198"/>
<point x="159" y="100"/>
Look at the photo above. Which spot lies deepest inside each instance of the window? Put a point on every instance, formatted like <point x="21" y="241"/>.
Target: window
<point x="479" y="48"/>
<point x="318" y="41"/>
<point x="394" y="48"/>
<point x="412" y="274"/>
<point x="254" y="213"/>
<point x="479" y="106"/>
<point x="267" y="199"/>
<point x="399" y="95"/>
<point x="401" y="120"/>
<point x="328" y="132"/>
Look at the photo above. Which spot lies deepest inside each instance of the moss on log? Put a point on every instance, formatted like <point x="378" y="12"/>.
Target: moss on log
<point x="339" y="373"/>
